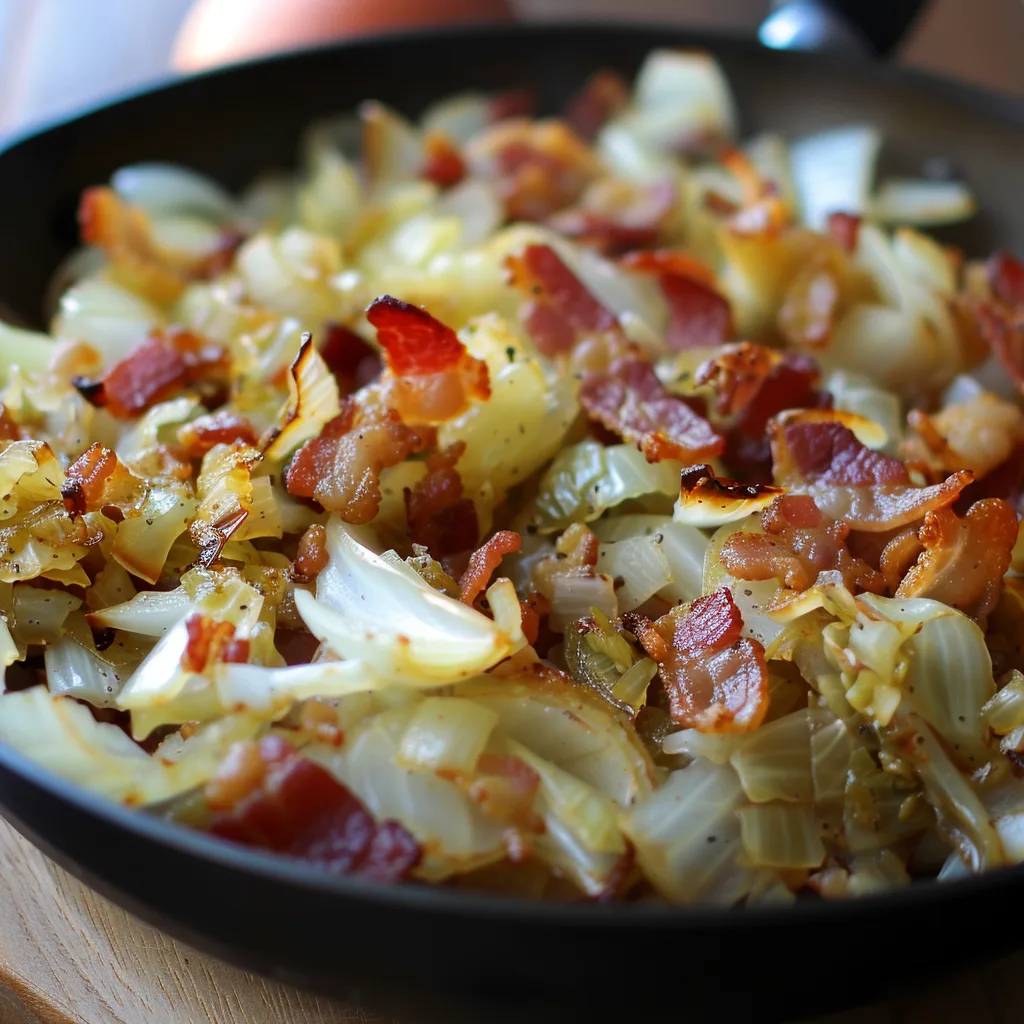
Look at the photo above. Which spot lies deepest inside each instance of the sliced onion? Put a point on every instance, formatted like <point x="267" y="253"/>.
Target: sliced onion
<point x="162" y="189"/>
<point x="834" y="170"/>
<point x="922" y="202"/>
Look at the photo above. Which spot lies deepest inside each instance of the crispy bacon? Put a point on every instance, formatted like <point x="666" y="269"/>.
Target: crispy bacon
<point x="828" y="452"/>
<point x="484" y="562"/>
<point x="716" y="680"/>
<point x="630" y="401"/>
<point x="964" y="560"/>
<point x="206" y="432"/>
<point x="534" y="609"/>
<point x="604" y="95"/>
<point x="737" y="373"/>
<point x="1006" y="278"/>
<point x="269" y="796"/>
<point x="440" y="517"/>
<point x="9" y="430"/>
<point x="797" y="544"/>
<point x="614" y="216"/>
<point x="210" y="642"/>
<point x="341" y="467"/>
<point x="87" y="478"/>
<point x="353" y="362"/>
<point x="845" y="229"/>
<point x="539" y="167"/>
<point x="444" y="164"/>
<point x="699" y="315"/>
<point x="434" y="378"/>
<point x="558" y="310"/>
<point x="898" y="554"/>
<point x="311" y="558"/>
<point x="164" y="364"/>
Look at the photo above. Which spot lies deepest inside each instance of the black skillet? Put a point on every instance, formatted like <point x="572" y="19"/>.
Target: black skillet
<point x="427" y="952"/>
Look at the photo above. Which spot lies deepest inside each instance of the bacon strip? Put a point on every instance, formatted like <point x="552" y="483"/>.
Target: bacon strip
<point x="164" y="364"/>
<point x="615" y="216"/>
<point x="558" y="310"/>
<point x="829" y="453"/>
<point x="964" y="560"/>
<point x="434" y="378"/>
<point x="87" y="478"/>
<point x="604" y="95"/>
<point x="797" y="544"/>
<point x="353" y="362"/>
<point x="439" y="516"/>
<point x="845" y="229"/>
<point x="341" y="467"/>
<point x="311" y="558"/>
<point x="210" y="642"/>
<point x="630" y="401"/>
<point x="484" y="562"/>
<point x="443" y="164"/>
<point x="206" y="432"/>
<point x="268" y="796"/>
<point x="716" y="680"/>
<point x="699" y="315"/>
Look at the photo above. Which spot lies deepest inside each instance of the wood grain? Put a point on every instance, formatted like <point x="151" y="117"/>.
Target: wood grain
<point x="69" y="956"/>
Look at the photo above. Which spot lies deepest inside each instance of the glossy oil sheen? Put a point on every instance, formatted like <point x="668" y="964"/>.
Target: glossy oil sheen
<point x="427" y="953"/>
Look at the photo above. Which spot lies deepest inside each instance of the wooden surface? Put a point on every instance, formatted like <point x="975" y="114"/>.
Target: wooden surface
<point x="68" y="955"/>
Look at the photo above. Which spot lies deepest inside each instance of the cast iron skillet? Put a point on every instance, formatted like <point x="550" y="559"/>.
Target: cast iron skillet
<point x="441" y="954"/>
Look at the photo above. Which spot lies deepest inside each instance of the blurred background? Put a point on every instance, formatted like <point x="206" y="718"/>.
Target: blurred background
<point x="57" y="56"/>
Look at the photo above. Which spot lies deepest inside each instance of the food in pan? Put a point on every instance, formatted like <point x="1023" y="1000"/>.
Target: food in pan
<point x="588" y="507"/>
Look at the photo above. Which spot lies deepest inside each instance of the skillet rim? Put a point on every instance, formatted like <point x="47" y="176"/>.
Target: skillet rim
<point x="433" y="898"/>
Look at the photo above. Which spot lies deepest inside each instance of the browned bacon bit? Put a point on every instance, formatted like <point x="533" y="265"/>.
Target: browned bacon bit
<point x="716" y="680"/>
<point x="353" y="361"/>
<point x="341" y="467"/>
<point x="1006" y="278"/>
<point x="845" y="229"/>
<point x="484" y="562"/>
<point x="630" y="401"/>
<point x="604" y="95"/>
<point x="615" y="216"/>
<point x="534" y="609"/>
<point x="513" y="103"/>
<point x="699" y="315"/>
<point x="311" y="558"/>
<point x="505" y="788"/>
<point x="539" y="167"/>
<point x="797" y="544"/>
<point x="210" y="642"/>
<point x="162" y="365"/>
<point x="8" y="428"/>
<point x="737" y="373"/>
<point x="898" y="555"/>
<point x="828" y="452"/>
<point x="444" y="164"/>
<point x="964" y="560"/>
<point x="434" y="377"/>
<point x="87" y="480"/>
<point x="269" y="796"/>
<point x="559" y="311"/>
<point x="222" y="427"/>
<point x="701" y="488"/>
<point x="439" y="516"/>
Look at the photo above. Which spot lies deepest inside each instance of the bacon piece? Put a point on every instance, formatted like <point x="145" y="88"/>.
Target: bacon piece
<point x="353" y="361"/>
<point x="311" y="558"/>
<point x="87" y="480"/>
<point x="210" y="642"/>
<point x="558" y="310"/>
<point x="706" y="498"/>
<point x="484" y="562"/>
<point x="614" y="216"/>
<point x="604" y="95"/>
<point x="737" y="373"/>
<point x="797" y="544"/>
<point x="699" y="315"/>
<point x="964" y="560"/>
<point x="439" y="516"/>
<point x="434" y="378"/>
<point x="221" y="427"/>
<point x="513" y="103"/>
<point x="1006" y="278"/>
<point x="979" y="434"/>
<point x="898" y="555"/>
<point x="630" y="401"/>
<point x="716" y="680"/>
<point x="829" y="453"/>
<point x="268" y="796"/>
<point x="444" y="164"/>
<point x="845" y="229"/>
<point x="341" y="467"/>
<point x="539" y="167"/>
<point x="534" y="609"/>
<point x="9" y="430"/>
<point x="164" y="364"/>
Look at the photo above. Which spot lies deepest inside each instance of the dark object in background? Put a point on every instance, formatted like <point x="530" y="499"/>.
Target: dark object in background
<point x="427" y="951"/>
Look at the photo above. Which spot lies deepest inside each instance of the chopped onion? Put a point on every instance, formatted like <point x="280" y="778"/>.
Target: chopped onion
<point x="774" y="762"/>
<point x="446" y="734"/>
<point x="637" y="567"/>
<point x="922" y="202"/>
<point x="162" y="189"/>
<point x="106" y="316"/>
<point x="782" y="836"/>
<point x="149" y="613"/>
<point x="575" y="596"/>
<point x="1004" y="712"/>
<point x="834" y="170"/>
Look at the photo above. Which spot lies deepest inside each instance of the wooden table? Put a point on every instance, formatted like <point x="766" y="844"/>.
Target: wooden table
<point x="68" y="955"/>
